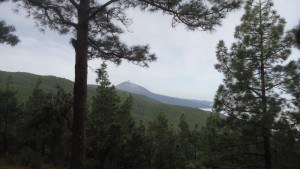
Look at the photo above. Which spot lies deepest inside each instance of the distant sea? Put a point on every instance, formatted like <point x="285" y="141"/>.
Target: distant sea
<point x="206" y="109"/>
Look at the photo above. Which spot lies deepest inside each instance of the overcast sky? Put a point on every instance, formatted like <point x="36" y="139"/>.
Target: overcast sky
<point x="186" y="59"/>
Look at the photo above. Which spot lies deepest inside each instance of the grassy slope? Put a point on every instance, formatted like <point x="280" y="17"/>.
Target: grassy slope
<point x="144" y="108"/>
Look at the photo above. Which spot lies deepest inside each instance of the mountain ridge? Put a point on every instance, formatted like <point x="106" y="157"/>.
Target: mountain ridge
<point x="144" y="109"/>
<point x="137" y="89"/>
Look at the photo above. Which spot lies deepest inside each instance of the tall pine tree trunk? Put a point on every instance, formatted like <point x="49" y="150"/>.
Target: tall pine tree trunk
<point x="266" y="130"/>
<point x="80" y="87"/>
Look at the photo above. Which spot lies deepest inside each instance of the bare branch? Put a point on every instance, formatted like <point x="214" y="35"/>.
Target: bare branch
<point x="254" y="90"/>
<point x="76" y="5"/>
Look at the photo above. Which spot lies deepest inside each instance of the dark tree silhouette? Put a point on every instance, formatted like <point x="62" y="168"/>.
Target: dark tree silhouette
<point x="6" y="33"/>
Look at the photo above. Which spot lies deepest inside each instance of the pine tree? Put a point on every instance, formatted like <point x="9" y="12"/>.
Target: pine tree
<point x="58" y="112"/>
<point x="286" y="131"/>
<point x="46" y="127"/>
<point x="195" y="143"/>
<point x="159" y="133"/>
<point x="184" y="141"/>
<point x="286" y="144"/>
<point x="96" y="35"/>
<point x="132" y="151"/>
<point x="34" y="127"/>
<point x="114" y="141"/>
<point x="292" y="81"/>
<point x="9" y="112"/>
<point x="103" y="133"/>
<point x="253" y="74"/>
<point x="218" y="143"/>
<point x="124" y="116"/>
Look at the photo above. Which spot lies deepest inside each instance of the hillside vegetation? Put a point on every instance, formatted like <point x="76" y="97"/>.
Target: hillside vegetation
<point x="144" y="108"/>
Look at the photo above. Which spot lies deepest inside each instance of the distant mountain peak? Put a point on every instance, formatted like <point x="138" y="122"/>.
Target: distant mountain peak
<point x="137" y="89"/>
<point x="128" y="82"/>
<point x="133" y="88"/>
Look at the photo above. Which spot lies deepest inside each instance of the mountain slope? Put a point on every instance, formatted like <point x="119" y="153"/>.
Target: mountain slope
<point x="144" y="108"/>
<point x="133" y="88"/>
<point x="137" y="89"/>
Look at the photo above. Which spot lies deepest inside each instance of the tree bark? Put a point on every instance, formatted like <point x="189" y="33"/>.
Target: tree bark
<point x="80" y="87"/>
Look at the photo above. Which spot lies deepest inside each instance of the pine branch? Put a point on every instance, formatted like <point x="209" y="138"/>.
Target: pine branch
<point x="199" y="18"/>
<point x="100" y="9"/>
<point x="55" y="9"/>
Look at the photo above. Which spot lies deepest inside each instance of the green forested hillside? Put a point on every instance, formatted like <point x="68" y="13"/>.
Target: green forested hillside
<point x="144" y="108"/>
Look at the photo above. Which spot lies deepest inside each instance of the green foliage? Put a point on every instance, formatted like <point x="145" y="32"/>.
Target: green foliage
<point x="10" y="110"/>
<point x="114" y="140"/>
<point x="297" y="36"/>
<point x="286" y="129"/>
<point x="210" y="139"/>
<point x="143" y="108"/>
<point x="146" y="109"/>
<point x="112" y="135"/>
<point x="251" y="95"/>
<point x="46" y="125"/>
<point x="286" y="144"/>
<point x="38" y="132"/>
<point x="168" y="148"/>
<point x="6" y="34"/>
<point x="97" y="26"/>
<point x="292" y="83"/>
<point x="24" y="83"/>
<point x="161" y="143"/>
<point x="184" y="143"/>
